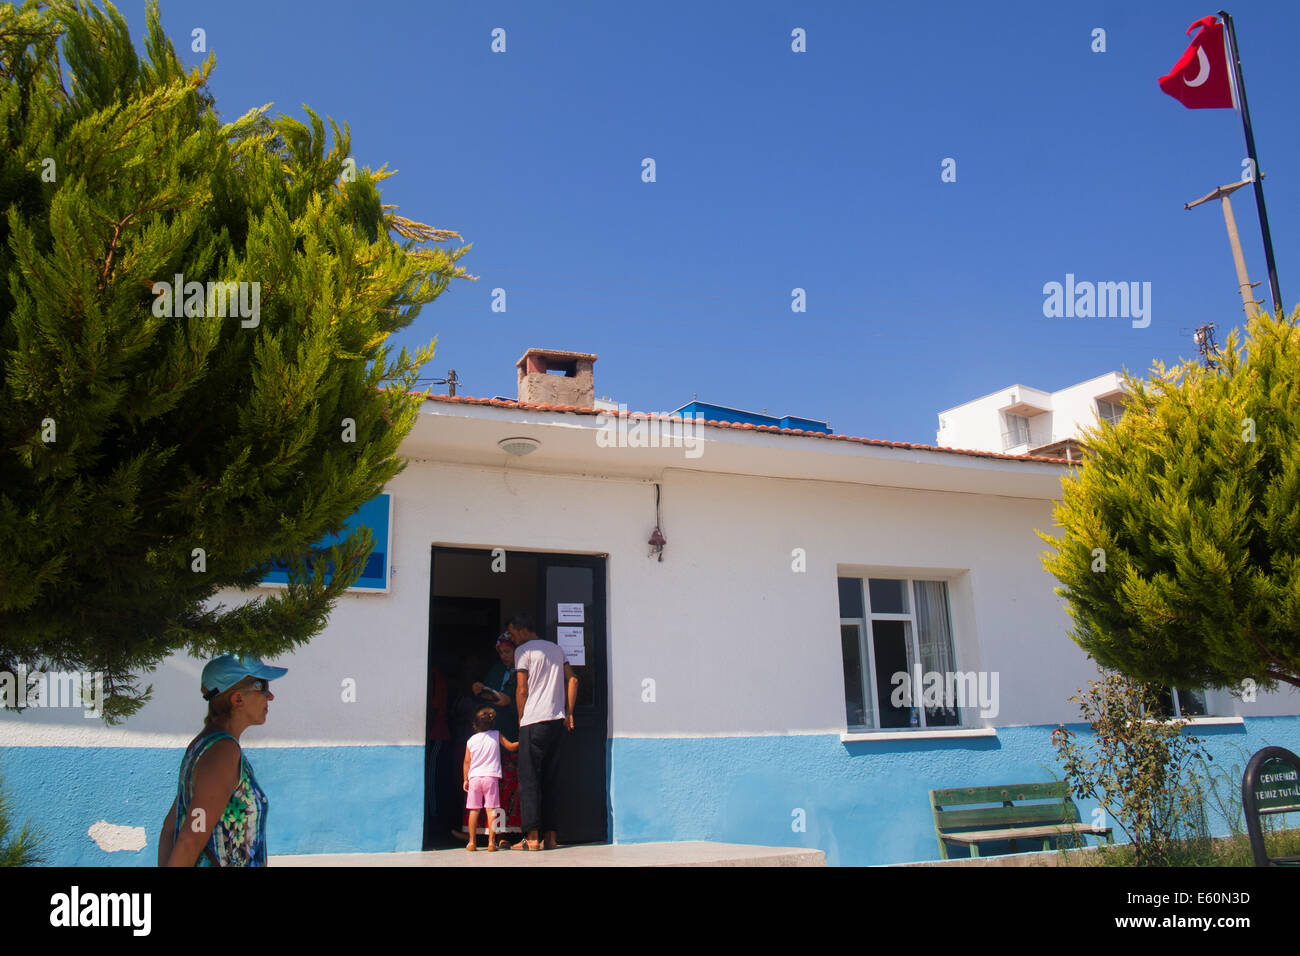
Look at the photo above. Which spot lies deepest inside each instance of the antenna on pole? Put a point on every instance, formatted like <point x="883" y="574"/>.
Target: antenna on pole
<point x="1204" y="339"/>
<point x="451" y="381"/>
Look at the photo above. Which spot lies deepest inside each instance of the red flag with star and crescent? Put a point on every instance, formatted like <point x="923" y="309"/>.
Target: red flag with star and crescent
<point x="1202" y="79"/>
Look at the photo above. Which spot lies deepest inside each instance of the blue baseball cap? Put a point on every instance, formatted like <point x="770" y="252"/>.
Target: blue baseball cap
<point x="224" y="672"/>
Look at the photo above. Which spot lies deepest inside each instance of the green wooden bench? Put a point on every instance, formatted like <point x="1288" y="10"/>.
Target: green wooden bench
<point x="1021" y="811"/>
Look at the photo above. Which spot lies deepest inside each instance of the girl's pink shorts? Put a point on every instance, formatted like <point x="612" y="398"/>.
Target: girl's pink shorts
<point x="483" y="792"/>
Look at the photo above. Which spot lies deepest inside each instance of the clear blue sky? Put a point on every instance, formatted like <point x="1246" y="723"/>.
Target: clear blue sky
<point x="777" y="170"/>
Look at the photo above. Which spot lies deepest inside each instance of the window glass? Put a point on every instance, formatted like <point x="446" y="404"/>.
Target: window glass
<point x="889" y="639"/>
<point x="1017" y="432"/>
<point x="1164" y="702"/>
<point x="857" y="710"/>
<point x="1191" y="703"/>
<point x="887" y="597"/>
<point x="851" y="597"/>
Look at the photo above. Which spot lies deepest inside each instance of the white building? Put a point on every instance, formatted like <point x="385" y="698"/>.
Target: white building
<point x="737" y="685"/>
<point x="1020" y="420"/>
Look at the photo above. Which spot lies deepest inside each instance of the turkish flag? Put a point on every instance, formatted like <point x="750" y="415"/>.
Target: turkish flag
<point x="1202" y="79"/>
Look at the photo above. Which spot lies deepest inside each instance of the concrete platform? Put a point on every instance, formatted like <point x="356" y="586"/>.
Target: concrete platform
<point x="589" y="854"/>
<point x="1071" y="857"/>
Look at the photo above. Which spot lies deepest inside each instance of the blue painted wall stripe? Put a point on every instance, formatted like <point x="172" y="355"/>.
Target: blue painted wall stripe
<point x="862" y="803"/>
<point x="320" y="799"/>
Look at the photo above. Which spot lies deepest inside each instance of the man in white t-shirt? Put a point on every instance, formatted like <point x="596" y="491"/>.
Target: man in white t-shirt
<point x="547" y="691"/>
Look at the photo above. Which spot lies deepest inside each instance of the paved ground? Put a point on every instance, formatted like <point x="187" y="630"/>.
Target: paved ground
<point x="597" y="854"/>
<point x="1041" y="858"/>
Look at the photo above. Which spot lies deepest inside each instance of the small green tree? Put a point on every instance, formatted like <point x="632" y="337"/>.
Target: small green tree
<point x="22" y="848"/>
<point x="1139" y="767"/>
<point x="158" y="442"/>
<point x="1180" y="558"/>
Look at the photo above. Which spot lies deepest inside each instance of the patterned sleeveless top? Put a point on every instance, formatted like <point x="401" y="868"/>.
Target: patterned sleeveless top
<point x="239" y="837"/>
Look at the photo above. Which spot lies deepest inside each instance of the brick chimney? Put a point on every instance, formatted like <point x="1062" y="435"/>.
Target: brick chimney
<point x="552" y="377"/>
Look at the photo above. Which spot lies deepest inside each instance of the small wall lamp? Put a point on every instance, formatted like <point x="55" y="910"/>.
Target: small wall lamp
<point x="657" y="542"/>
<point x="657" y="539"/>
<point x="519" y="446"/>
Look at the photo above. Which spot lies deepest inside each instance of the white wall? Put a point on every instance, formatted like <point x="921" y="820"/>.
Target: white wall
<point x="1075" y="408"/>
<point x="754" y="648"/>
<point x="735" y="640"/>
<point x="975" y="425"/>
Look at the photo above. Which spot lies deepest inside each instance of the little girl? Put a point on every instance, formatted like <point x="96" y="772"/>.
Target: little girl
<point x="483" y="773"/>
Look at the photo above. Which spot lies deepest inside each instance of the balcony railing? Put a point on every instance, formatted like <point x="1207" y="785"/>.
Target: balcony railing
<point x="1017" y="436"/>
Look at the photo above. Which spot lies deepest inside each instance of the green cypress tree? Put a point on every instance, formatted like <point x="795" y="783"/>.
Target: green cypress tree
<point x="1180" y="557"/>
<point x="148" y="459"/>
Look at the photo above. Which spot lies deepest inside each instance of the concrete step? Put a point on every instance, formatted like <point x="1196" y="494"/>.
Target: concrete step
<point x="589" y="854"/>
<point x="1071" y="857"/>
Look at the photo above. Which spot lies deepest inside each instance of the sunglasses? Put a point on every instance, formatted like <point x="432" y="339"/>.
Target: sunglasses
<point x="258" y="684"/>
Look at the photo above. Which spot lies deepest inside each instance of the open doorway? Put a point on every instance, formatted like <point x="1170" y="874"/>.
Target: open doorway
<point x="473" y="593"/>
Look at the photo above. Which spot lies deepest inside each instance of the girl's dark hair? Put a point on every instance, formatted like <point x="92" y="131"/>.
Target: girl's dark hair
<point x="485" y="720"/>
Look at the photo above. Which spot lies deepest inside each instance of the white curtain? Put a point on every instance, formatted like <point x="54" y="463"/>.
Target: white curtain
<point x="935" y="637"/>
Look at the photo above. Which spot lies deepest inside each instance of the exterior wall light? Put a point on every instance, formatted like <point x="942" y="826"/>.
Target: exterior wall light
<point x="519" y="446"/>
<point x="657" y="542"/>
<point x="657" y="539"/>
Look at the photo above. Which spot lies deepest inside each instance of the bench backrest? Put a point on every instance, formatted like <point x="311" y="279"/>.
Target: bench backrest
<point x="1017" y="804"/>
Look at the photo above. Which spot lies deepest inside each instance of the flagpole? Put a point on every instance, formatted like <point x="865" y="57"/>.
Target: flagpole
<point x="1254" y="161"/>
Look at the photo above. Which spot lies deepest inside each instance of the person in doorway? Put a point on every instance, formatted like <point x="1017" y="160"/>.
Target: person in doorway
<point x="483" y="774"/>
<point x="546" y="692"/>
<point x="439" y="734"/>
<point x="465" y="703"/>
<point x="498" y="686"/>
<point x="219" y="815"/>
<point x="497" y="689"/>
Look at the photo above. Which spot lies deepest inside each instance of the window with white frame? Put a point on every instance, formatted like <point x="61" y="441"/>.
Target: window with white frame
<point x="1179" y="702"/>
<point x="1109" y="411"/>
<point x="895" y="633"/>
<point x="1017" y="431"/>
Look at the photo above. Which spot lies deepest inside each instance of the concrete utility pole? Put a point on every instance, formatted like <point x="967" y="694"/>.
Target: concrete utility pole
<point x="1243" y="280"/>
<point x="1230" y="35"/>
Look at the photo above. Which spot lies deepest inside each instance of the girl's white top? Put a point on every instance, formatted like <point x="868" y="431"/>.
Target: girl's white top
<point x="485" y="754"/>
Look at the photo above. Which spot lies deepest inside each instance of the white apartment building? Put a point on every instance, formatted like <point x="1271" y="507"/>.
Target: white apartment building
<point x="1020" y="420"/>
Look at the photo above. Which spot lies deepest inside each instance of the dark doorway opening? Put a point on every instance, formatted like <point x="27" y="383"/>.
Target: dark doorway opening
<point x="473" y="593"/>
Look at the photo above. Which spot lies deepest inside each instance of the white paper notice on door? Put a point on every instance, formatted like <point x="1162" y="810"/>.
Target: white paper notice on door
<point x="571" y="642"/>
<point x="569" y="613"/>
